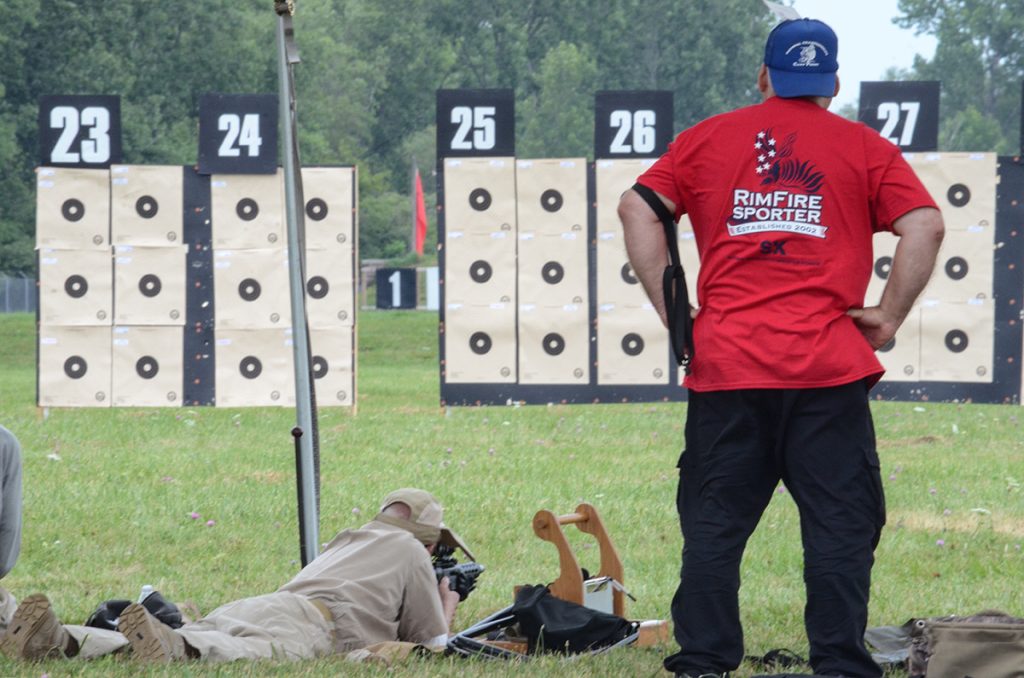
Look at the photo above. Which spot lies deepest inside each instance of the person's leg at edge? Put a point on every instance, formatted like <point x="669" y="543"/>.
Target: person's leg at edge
<point x="726" y="479"/>
<point x="832" y="471"/>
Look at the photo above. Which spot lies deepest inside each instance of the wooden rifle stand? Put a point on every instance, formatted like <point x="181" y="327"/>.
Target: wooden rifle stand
<point x="569" y="585"/>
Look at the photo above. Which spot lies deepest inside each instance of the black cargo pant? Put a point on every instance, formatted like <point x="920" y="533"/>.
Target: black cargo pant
<point x="820" y="442"/>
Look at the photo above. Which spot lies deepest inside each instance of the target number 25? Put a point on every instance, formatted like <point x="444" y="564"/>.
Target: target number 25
<point x="476" y="128"/>
<point x="94" y="148"/>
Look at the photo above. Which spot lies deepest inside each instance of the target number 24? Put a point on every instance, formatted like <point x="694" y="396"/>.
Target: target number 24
<point x="94" y="148"/>
<point x="240" y="130"/>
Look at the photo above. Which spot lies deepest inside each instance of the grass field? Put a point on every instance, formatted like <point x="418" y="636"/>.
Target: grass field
<point x="109" y="496"/>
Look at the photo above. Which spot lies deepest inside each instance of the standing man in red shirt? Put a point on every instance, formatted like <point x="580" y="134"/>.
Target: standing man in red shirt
<point x="784" y="198"/>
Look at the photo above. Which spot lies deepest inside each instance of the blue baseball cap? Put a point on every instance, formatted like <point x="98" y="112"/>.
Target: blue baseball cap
<point x="801" y="58"/>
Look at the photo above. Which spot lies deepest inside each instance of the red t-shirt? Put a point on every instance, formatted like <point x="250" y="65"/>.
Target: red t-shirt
<point x="784" y="198"/>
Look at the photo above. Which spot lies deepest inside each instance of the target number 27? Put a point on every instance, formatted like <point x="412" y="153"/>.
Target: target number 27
<point x="890" y="112"/>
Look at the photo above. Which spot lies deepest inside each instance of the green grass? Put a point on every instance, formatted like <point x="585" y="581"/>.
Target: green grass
<point x="108" y="495"/>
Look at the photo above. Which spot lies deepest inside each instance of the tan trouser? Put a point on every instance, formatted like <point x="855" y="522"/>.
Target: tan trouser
<point x="277" y="625"/>
<point x="7" y="607"/>
<point x="94" y="642"/>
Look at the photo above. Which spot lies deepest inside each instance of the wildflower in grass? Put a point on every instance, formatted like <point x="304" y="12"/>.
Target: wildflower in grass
<point x="194" y="516"/>
<point x="932" y="491"/>
<point x="356" y="511"/>
<point x="947" y="512"/>
<point x="940" y="542"/>
<point x="211" y="523"/>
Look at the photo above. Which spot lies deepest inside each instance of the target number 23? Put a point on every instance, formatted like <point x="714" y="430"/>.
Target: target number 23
<point x="94" y="148"/>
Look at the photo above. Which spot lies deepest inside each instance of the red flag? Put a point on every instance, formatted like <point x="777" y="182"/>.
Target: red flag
<point x="421" y="214"/>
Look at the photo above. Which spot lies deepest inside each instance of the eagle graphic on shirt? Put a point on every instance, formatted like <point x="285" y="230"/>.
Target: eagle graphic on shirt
<point x="777" y="165"/>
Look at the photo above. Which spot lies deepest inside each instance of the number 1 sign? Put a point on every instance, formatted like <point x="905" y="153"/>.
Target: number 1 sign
<point x="238" y="134"/>
<point x="79" y="131"/>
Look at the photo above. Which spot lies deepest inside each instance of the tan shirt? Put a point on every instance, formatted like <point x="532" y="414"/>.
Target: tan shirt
<point x="378" y="583"/>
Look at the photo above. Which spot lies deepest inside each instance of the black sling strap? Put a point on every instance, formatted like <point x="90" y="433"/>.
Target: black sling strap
<point x="673" y="284"/>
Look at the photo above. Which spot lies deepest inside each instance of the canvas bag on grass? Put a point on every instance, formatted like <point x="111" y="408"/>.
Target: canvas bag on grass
<point x="985" y="645"/>
<point x="554" y="625"/>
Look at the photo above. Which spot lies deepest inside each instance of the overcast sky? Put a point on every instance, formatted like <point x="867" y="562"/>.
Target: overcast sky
<point x="869" y="43"/>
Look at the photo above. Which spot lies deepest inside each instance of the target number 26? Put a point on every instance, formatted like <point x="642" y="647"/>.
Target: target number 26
<point x="635" y="131"/>
<point x="94" y="148"/>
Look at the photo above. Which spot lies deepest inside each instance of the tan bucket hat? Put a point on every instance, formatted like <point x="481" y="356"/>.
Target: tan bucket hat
<point x="425" y="520"/>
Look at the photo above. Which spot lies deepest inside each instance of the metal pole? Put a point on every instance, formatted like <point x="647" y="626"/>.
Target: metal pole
<point x="309" y="519"/>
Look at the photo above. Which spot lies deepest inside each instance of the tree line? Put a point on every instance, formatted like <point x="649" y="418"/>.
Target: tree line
<point x="370" y="68"/>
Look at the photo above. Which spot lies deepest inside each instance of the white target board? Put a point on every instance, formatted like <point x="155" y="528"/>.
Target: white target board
<point x="73" y="208"/>
<point x="146" y="203"/>
<point x="255" y="368"/>
<point x="632" y="346"/>
<point x="616" y="282"/>
<point x="480" y="343"/>
<point x="330" y="209"/>
<point x="247" y="210"/>
<point x="330" y="293"/>
<point x="74" y="366"/>
<point x="956" y="341"/>
<point x="252" y="289"/>
<point x="75" y="287"/>
<point x="149" y="285"/>
<point x="333" y="366"/>
<point x="554" y="344"/>
<point x="147" y="366"/>
<point x="552" y="218"/>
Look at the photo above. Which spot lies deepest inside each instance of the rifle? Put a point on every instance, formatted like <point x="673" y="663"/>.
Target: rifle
<point x="461" y="576"/>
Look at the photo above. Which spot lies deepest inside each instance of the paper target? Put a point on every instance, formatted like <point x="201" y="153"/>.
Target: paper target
<point x="74" y="366"/>
<point x="73" y="208"/>
<point x="616" y="283"/>
<point x="333" y="366"/>
<point x="553" y="245"/>
<point x="146" y="205"/>
<point x="901" y="357"/>
<point x="75" y="287"/>
<point x="149" y="285"/>
<point x="252" y="289"/>
<point x="480" y="343"/>
<point x="956" y="341"/>
<point x="329" y="206"/>
<point x="248" y="211"/>
<point x="255" y="368"/>
<point x="632" y="346"/>
<point x="554" y="344"/>
<point x="147" y="366"/>
<point x="330" y="294"/>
